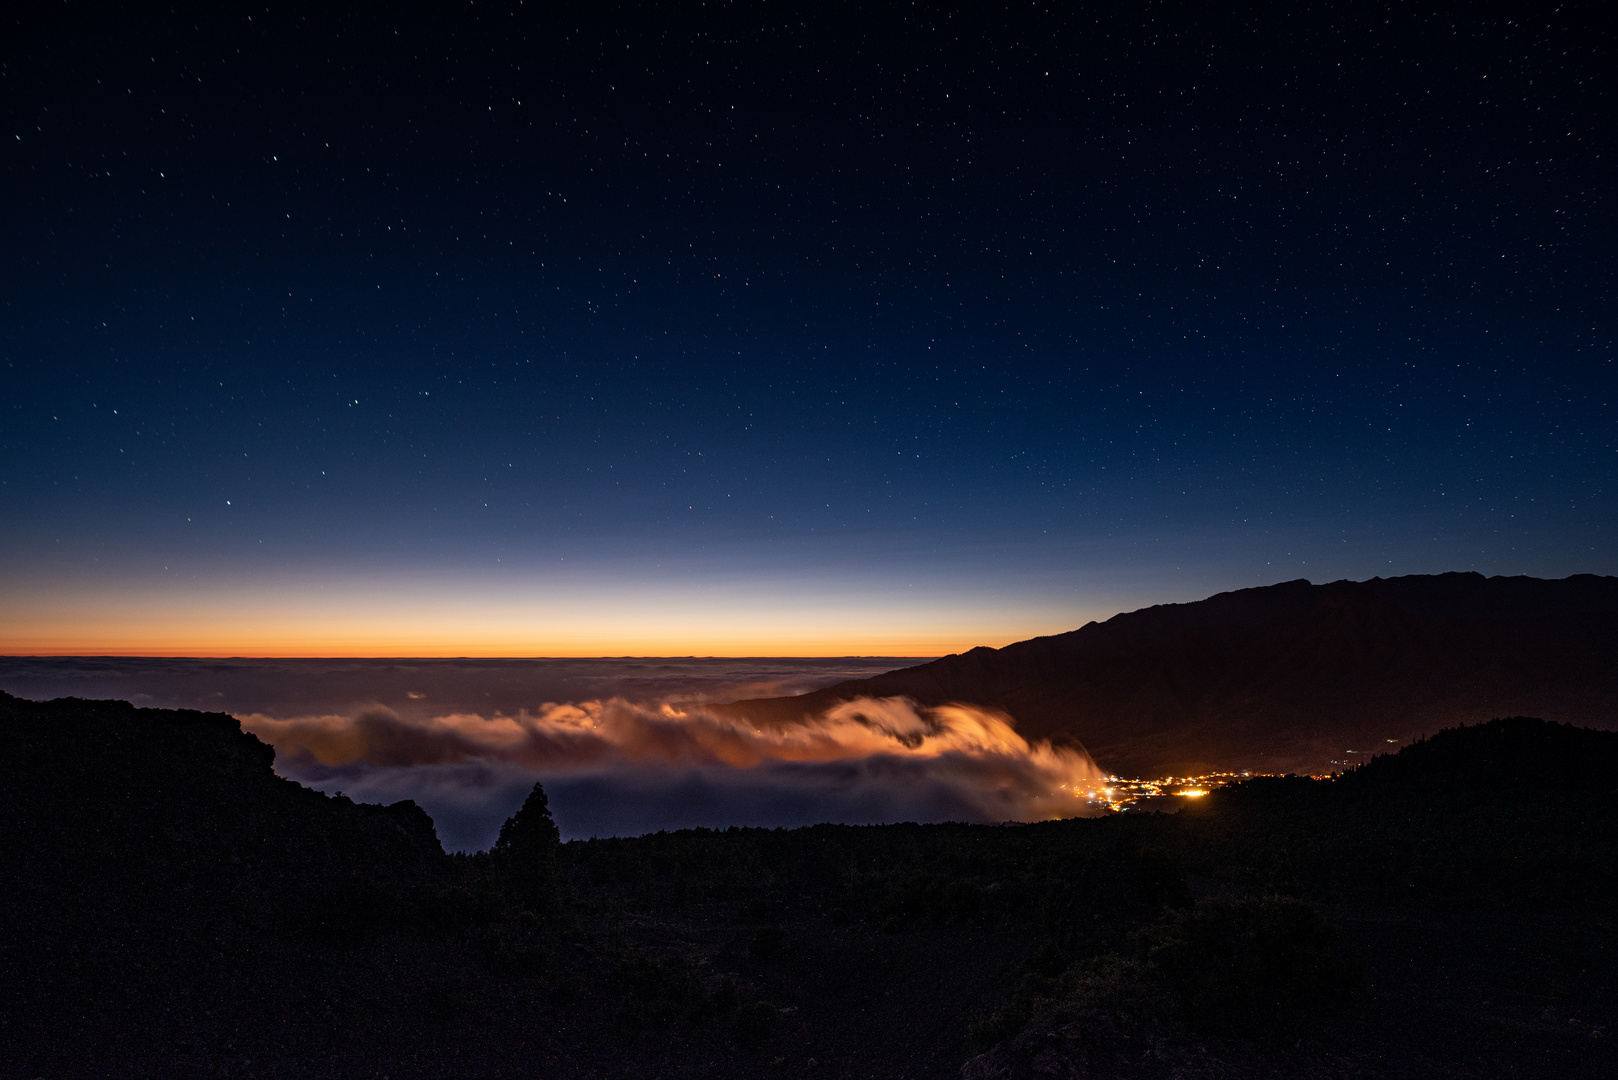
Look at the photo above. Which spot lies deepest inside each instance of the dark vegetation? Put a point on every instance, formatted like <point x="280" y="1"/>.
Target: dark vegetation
<point x="174" y="909"/>
<point x="1283" y="678"/>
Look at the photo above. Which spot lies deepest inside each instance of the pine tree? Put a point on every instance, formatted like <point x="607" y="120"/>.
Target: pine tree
<point x="526" y="852"/>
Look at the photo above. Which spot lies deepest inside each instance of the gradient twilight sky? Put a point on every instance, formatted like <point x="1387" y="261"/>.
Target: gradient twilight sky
<point x="767" y="329"/>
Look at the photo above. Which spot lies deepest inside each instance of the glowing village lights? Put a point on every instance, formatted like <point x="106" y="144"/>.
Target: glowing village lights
<point x="1118" y="794"/>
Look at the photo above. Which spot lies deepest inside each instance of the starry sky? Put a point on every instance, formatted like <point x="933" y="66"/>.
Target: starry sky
<point x="785" y="329"/>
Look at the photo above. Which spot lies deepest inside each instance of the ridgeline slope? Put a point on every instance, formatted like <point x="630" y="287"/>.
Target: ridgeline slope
<point x="1284" y="678"/>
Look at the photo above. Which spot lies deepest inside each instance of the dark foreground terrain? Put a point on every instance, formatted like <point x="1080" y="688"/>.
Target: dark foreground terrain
<point x="172" y="908"/>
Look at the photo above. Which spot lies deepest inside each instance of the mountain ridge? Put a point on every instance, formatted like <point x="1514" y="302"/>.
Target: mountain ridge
<point x="1285" y="677"/>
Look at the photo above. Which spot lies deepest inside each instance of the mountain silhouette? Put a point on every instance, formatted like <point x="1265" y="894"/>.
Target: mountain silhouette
<point x="1289" y="677"/>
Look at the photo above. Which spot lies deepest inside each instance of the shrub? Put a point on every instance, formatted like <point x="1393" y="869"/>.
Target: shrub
<point x="659" y="990"/>
<point x="724" y="996"/>
<point x="453" y="907"/>
<point x="345" y="911"/>
<point x="1251" y="967"/>
<point x="755" y="1022"/>
<point x="765" y="942"/>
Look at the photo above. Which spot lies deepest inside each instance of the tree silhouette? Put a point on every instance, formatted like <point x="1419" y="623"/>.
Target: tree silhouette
<point x="525" y="854"/>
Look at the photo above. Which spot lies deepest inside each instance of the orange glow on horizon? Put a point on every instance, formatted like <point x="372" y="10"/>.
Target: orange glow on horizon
<point x="317" y="640"/>
<point x="443" y="618"/>
<point x="339" y="650"/>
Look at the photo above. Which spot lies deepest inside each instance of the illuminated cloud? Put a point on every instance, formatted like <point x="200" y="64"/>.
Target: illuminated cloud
<point x="866" y="759"/>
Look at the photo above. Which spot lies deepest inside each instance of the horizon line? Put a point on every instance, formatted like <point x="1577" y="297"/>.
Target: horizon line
<point x="472" y="656"/>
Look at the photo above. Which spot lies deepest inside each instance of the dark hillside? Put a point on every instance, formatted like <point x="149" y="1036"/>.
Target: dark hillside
<point x="1470" y="877"/>
<point x="157" y="867"/>
<point x="181" y="810"/>
<point x="1517" y="808"/>
<point x="174" y="909"/>
<point x="1286" y="678"/>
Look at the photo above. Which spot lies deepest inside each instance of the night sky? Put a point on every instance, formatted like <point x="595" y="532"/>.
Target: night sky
<point x="507" y="329"/>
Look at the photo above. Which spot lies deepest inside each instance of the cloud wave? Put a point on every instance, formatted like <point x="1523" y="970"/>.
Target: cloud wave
<point x="865" y="757"/>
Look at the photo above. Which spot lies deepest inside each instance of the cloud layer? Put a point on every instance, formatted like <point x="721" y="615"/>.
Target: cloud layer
<point x="616" y="767"/>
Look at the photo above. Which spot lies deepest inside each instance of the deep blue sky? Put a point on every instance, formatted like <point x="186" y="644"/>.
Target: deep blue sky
<point x="899" y="328"/>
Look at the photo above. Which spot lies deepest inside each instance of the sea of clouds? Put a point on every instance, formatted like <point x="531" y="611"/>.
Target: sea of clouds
<point x="623" y="747"/>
